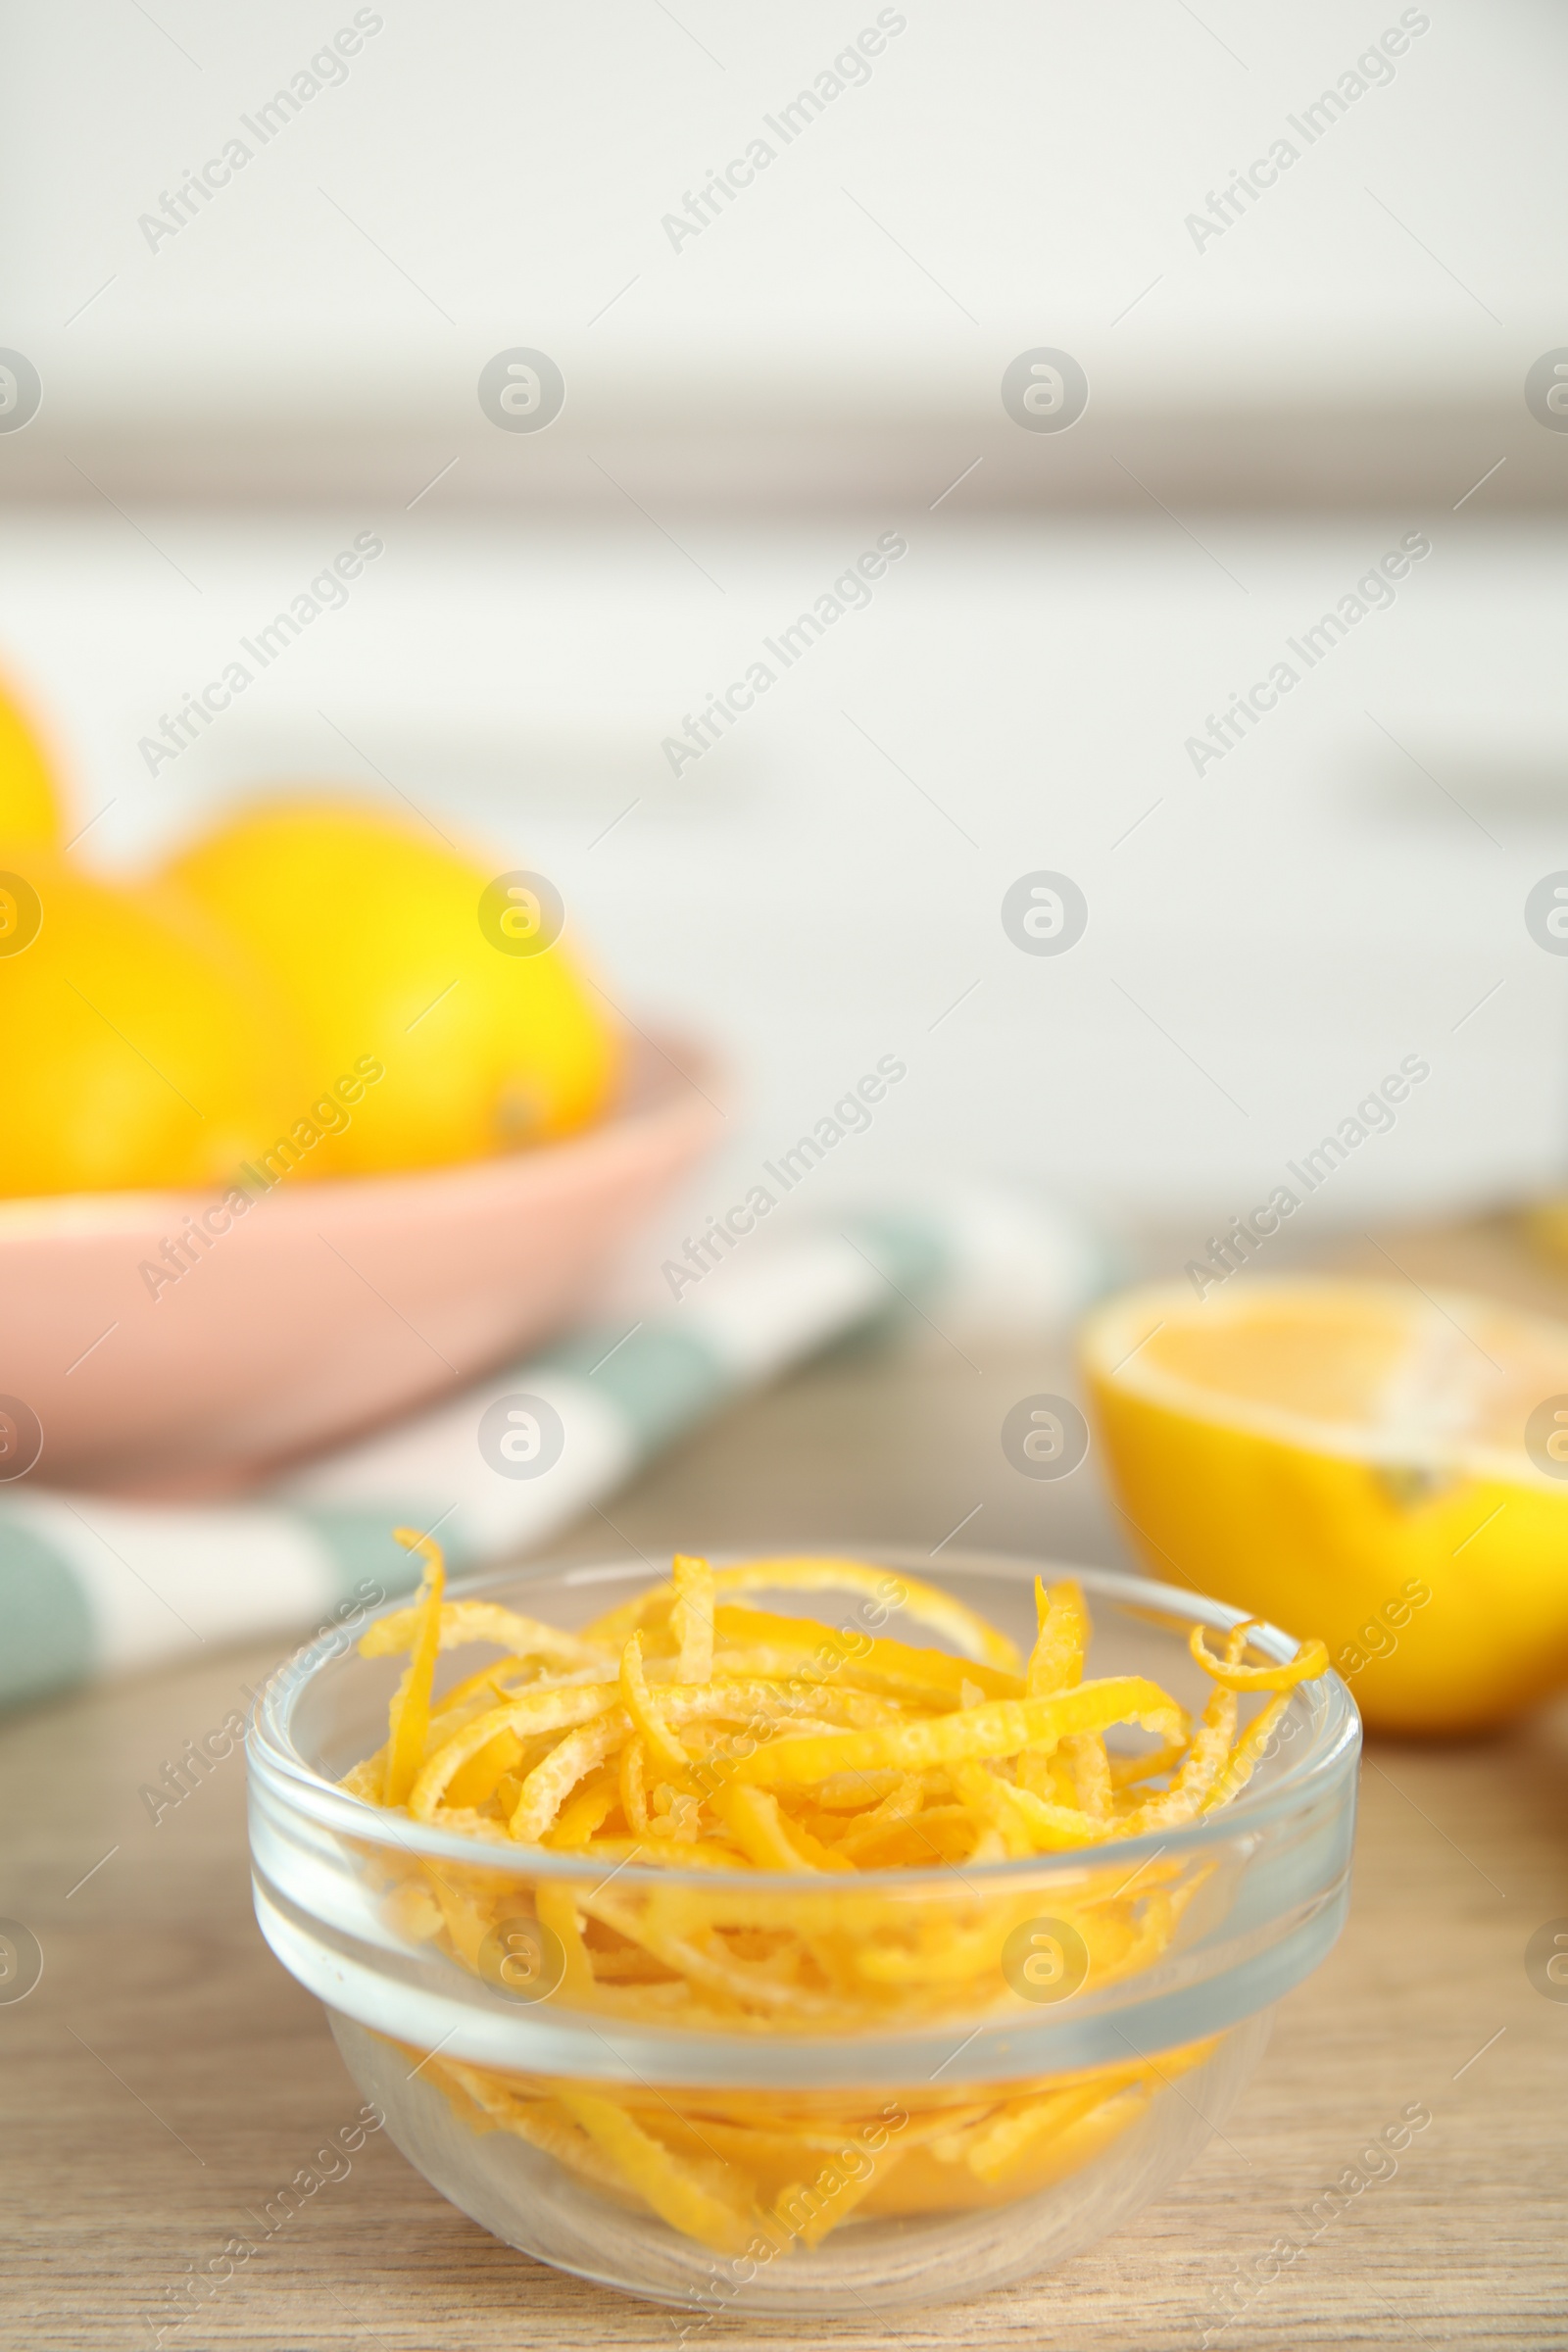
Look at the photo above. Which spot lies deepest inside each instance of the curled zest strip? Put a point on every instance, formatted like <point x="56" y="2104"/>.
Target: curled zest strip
<point x="568" y="1706"/>
<point x="659" y="1740"/>
<point x="752" y="1817"/>
<point x="691" y="1619"/>
<point x="410" y="1718"/>
<point x="1056" y="1660"/>
<point x="999" y="1727"/>
<point x="553" y="1780"/>
<point x="674" y="2190"/>
<point x="534" y="1711"/>
<point x="633" y="1778"/>
<point x="819" y="1652"/>
<point x="1310" y="1661"/>
<point x="465" y="1621"/>
<point x="890" y="1592"/>
<point x="1204" y="1761"/>
<point x="1247" y="1750"/>
<point x="927" y="1604"/>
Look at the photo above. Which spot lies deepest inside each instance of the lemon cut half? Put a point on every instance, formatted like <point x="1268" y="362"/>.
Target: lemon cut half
<point x="1383" y="1464"/>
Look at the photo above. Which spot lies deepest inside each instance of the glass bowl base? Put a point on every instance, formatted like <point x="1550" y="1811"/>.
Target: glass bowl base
<point x="529" y="2200"/>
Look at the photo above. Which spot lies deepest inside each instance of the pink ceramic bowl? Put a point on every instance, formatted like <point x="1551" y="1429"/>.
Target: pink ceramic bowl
<point x="323" y="1310"/>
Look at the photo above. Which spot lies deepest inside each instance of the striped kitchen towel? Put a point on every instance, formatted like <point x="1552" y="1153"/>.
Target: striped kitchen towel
<point x="91" y="1586"/>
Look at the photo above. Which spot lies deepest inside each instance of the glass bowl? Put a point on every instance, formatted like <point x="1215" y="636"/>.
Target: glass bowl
<point x="994" y="2065"/>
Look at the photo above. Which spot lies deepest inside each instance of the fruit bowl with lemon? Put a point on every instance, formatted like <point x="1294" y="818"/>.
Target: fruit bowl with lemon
<point x="317" y="1120"/>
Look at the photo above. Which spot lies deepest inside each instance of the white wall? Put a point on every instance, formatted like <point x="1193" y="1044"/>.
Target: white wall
<point x="492" y="174"/>
<point x="1307" y="911"/>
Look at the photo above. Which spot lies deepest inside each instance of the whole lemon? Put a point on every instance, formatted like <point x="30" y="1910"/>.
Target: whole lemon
<point x="29" y="807"/>
<point x="444" y="1018"/>
<point x="135" y="1053"/>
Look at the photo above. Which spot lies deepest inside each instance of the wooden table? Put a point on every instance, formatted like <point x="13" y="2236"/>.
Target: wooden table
<point x="165" y="2073"/>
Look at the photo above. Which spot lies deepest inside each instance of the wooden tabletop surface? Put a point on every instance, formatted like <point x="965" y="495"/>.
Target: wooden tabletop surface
<point x="165" y="2073"/>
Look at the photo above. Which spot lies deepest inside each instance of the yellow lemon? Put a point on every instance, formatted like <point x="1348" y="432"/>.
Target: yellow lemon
<point x="133" y="1054"/>
<point x="28" y="808"/>
<point x="443" y="1015"/>
<point x="1356" y="1460"/>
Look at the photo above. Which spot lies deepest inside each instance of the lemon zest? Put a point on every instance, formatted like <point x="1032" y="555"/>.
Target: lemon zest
<point x="1310" y="1660"/>
<point x="408" y="1717"/>
<point x="689" y="1728"/>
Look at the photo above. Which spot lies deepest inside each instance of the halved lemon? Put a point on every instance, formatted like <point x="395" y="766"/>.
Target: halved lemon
<point x="1377" y="1464"/>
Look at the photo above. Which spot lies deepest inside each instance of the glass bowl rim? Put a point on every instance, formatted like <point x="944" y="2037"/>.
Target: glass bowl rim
<point x="275" y="1763"/>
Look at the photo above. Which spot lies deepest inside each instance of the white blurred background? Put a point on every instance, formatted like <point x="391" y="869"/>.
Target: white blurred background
<point x="226" y="407"/>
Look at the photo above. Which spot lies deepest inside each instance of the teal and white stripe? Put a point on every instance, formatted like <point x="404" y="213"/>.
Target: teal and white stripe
<point x="90" y="1586"/>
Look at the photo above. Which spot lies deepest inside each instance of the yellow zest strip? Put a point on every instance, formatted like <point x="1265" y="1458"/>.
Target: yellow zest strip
<point x="834" y="2196"/>
<point x="1202" y="1767"/>
<point x="672" y="2189"/>
<point x="542" y="2122"/>
<point x="989" y="1799"/>
<point x="545" y="2124"/>
<point x="587" y="1811"/>
<point x="558" y="1912"/>
<point x="1055" y="1663"/>
<point x="853" y="1791"/>
<point x="467" y="1922"/>
<point x="754" y="1820"/>
<point x="410" y="1717"/>
<point x="861" y="1696"/>
<point x="980" y="2139"/>
<point x="1043" y="1771"/>
<point x="366" y="1779"/>
<point x="634" y="1785"/>
<point x="1125" y="1771"/>
<point x="691" y="1620"/>
<point x="1084" y="1758"/>
<point x="551" y="1783"/>
<point x="531" y="1711"/>
<point x="1245" y="1756"/>
<point x="901" y="1801"/>
<point x="994" y="2152"/>
<point x="1310" y="1661"/>
<point x="707" y="1853"/>
<point x="997" y="1729"/>
<point x="819" y="1650"/>
<point x="564" y="1706"/>
<point x="661" y="1743"/>
<point x="659" y="1933"/>
<point x="1056" y="1660"/>
<point x="925" y="1603"/>
<point x="1055" y="1828"/>
<point x="1206" y="1755"/>
<point x="960" y="1956"/>
<point x="464" y="1621"/>
<point x="676" y="1814"/>
<point x="490" y="1686"/>
<point x="475" y="1781"/>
